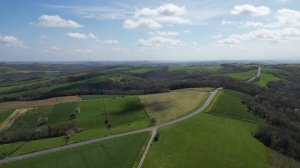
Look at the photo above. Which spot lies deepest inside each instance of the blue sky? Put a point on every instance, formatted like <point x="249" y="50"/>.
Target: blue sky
<point x="180" y="30"/>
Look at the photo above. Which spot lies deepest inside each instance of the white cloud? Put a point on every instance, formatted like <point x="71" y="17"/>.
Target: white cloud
<point x="288" y="17"/>
<point x="272" y="35"/>
<point x="103" y="12"/>
<point x="286" y="27"/>
<point x="251" y="10"/>
<point x="112" y="41"/>
<point x="55" y="48"/>
<point x="155" y="18"/>
<point x="245" y="24"/>
<point x="141" y="23"/>
<point x="11" y="41"/>
<point x="81" y="36"/>
<point x="57" y="21"/>
<point x="163" y="33"/>
<point x="84" y="51"/>
<point x="158" y="41"/>
<point x="44" y="37"/>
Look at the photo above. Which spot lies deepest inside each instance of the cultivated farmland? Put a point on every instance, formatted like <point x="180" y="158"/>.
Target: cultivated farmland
<point x="122" y="152"/>
<point x="217" y="141"/>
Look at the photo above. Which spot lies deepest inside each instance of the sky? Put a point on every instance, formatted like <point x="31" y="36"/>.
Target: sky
<point x="152" y="30"/>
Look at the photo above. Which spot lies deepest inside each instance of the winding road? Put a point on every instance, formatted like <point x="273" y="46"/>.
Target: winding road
<point x="152" y="129"/>
<point x="256" y="76"/>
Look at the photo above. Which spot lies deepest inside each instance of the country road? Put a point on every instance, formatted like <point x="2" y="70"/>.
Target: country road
<point x="149" y="129"/>
<point x="256" y="76"/>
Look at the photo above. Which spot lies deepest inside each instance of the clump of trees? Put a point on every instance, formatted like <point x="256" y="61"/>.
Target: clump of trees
<point x="48" y="131"/>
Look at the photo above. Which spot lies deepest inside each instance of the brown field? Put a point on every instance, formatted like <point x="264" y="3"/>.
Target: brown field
<point x="164" y="107"/>
<point x="9" y="121"/>
<point x="36" y="103"/>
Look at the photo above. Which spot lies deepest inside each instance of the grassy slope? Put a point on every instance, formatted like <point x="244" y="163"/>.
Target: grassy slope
<point x="118" y="153"/>
<point x="228" y="104"/>
<point x="169" y="106"/>
<point x="265" y="79"/>
<point x="195" y="69"/>
<point x="126" y="113"/>
<point x="5" y="114"/>
<point x="243" y="75"/>
<point x="208" y="141"/>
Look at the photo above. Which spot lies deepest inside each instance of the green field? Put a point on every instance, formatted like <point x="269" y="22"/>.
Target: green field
<point x="122" y="152"/>
<point x="228" y="103"/>
<point x="209" y="141"/>
<point x="125" y="114"/>
<point x="164" y="107"/>
<point x="265" y="79"/>
<point x="243" y="75"/>
<point x="5" y="114"/>
<point x="195" y="69"/>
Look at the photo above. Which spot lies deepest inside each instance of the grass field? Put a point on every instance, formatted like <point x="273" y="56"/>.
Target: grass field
<point x="122" y="152"/>
<point x="209" y="141"/>
<point x="265" y="79"/>
<point x="125" y="113"/>
<point x="243" y="75"/>
<point x="37" y="103"/>
<point x="229" y="104"/>
<point x="5" y="114"/>
<point x="195" y="69"/>
<point x="29" y="119"/>
<point x="164" y="107"/>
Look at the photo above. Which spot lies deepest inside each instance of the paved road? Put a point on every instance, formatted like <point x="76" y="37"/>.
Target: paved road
<point x="149" y="129"/>
<point x="256" y="76"/>
<point x="147" y="148"/>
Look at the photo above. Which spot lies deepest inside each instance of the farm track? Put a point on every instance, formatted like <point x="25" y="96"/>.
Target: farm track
<point x="10" y="119"/>
<point x="149" y="129"/>
<point x="256" y="76"/>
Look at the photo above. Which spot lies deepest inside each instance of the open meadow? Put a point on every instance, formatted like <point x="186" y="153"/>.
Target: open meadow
<point x="164" y="107"/>
<point x="209" y="140"/>
<point x="122" y="152"/>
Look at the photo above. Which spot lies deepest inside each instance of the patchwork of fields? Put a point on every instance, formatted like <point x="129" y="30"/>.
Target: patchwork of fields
<point x="122" y="113"/>
<point x="205" y="140"/>
<point x="209" y="140"/>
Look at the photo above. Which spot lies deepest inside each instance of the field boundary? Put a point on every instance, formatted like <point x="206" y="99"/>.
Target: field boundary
<point x="236" y="118"/>
<point x="148" y="129"/>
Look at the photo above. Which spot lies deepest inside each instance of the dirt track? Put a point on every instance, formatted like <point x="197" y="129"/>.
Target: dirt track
<point x="10" y="119"/>
<point x="149" y="129"/>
